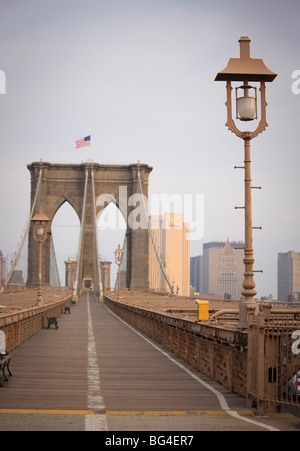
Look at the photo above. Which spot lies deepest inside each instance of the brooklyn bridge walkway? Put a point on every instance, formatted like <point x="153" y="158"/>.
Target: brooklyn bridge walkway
<point x="97" y="373"/>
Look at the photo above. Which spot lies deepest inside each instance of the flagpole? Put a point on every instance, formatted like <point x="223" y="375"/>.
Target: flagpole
<point x="90" y="153"/>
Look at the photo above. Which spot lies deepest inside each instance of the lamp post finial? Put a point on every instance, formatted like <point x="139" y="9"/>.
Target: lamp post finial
<point x="245" y="47"/>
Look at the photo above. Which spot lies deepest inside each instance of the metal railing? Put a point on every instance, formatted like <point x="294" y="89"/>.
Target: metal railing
<point x="274" y="361"/>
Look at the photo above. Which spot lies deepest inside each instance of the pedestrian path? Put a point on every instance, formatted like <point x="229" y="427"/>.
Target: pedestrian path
<point x="97" y="373"/>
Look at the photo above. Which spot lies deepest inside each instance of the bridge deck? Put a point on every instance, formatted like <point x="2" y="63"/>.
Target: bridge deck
<point x="59" y="370"/>
<point x="50" y="370"/>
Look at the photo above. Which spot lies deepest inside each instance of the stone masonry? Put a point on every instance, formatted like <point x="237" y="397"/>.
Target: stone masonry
<point x="65" y="183"/>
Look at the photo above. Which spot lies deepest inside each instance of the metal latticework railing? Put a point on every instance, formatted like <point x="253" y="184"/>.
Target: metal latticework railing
<point x="274" y="353"/>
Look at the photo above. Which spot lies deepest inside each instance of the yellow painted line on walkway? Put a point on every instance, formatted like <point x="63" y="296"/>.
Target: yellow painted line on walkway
<point x="47" y="412"/>
<point x="172" y="413"/>
<point x="120" y="412"/>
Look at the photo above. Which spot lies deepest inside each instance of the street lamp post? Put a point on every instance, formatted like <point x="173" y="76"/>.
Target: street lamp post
<point x="119" y="255"/>
<point x="246" y="69"/>
<point x="40" y="234"/>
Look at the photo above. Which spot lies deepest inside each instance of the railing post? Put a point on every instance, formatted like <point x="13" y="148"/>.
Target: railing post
<point x="261" y="404"/>
<point x="250" y="362"/>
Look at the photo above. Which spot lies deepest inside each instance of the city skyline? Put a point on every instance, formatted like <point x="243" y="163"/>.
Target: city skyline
<point x="139" y="78"/>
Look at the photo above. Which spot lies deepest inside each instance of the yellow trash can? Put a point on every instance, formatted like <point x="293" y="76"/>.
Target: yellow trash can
<point x="203" y="310"/>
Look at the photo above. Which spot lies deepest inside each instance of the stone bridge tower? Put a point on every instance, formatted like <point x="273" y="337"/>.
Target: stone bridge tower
<point x="66" y="183"/>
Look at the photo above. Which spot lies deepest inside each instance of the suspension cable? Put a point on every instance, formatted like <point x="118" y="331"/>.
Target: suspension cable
<point x="96" y="243"/>
<point x="152" y="237"/>
<point x="52" y="250"/>
<point x="26" y="231"/>
<point x="80" y="247"/>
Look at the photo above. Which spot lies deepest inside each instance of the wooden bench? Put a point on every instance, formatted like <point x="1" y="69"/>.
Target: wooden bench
<point x="4" y="357"/>
<point x="52" y="320"/>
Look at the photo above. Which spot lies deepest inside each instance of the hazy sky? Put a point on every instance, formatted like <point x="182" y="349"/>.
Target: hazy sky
<point x="138" y="75"/>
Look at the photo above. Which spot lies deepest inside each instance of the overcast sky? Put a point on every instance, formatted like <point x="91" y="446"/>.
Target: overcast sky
<point x="138" y="76"/>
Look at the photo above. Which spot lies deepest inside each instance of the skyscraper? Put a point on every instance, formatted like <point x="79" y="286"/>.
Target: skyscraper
<point x="197" y="273"/>
<point x="288" y="276"/>
<point x="171" y="235"/>
<point x="228" y="280"/>
<point x="223" y="268"/>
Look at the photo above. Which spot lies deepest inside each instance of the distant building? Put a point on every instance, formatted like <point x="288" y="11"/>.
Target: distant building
<point x="171" y="235"/>
<point x="229" y="283"/>
<point x="223" y="269"/>
<point x="17" y="277"/>
<point x="197" y="273"/>
<point x="288" y="276"/>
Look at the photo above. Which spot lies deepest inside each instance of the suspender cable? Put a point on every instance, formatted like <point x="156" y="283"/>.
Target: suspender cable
<point x="26" y="230"/>
<point x="98" y="278"/>
<point x="80" y="247"/>
<point x="52" y="252"/>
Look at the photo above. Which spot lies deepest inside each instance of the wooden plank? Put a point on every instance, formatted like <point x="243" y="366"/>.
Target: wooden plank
<point x="50" y="370"/>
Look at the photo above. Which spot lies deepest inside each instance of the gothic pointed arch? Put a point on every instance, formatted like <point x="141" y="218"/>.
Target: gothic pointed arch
<point x="59" y="202"/>
<point x="73" y="183"/>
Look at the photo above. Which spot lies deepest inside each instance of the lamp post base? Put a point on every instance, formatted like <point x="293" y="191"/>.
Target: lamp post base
<point x="39" y="301"/>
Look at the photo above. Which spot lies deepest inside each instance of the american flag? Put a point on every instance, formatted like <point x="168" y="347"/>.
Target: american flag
<point x="83" y="142"/>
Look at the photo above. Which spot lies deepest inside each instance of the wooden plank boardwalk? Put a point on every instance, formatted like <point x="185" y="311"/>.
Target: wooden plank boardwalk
<point x="95" y="364"/>
<point x="50" y="370"/>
